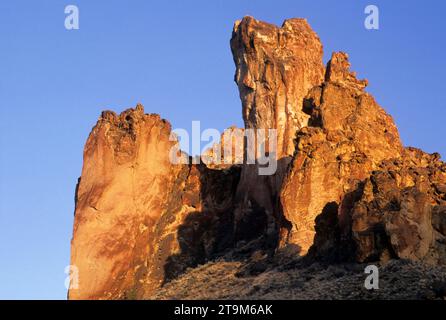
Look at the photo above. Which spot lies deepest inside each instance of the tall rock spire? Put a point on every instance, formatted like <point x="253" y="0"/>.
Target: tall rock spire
<point x="275" y="68"/>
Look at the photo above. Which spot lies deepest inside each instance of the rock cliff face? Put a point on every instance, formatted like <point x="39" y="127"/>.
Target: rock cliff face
<point x="345" y="188"/>
<point x="275" y="68"/>
<point x="352" y="190"/>
<point x="401" y="212"/>
<point x="140" y="219"/>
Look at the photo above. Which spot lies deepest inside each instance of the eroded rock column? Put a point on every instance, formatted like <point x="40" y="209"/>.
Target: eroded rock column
<point x="275" y="68"/>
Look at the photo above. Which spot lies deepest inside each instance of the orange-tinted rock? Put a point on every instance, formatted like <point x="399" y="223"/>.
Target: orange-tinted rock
<point x="348" y="136"/>
<point x="228" y="152"/>
<point x="126" y="179"/>
<point x="134" y="207"/>
<point x="275" y="68"/>
<point x="401" y="210"/>
<point x="352" y="191"/>
<point x="338" y="71"/>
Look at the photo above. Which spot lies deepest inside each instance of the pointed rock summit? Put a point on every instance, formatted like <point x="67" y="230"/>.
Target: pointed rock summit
<point x="348" y="136"/>
<point x="275" y="68"/>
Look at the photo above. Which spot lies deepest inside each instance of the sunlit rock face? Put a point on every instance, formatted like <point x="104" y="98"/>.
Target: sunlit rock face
<point x="228" y="152"/>
<point x="140" y="219"/>
<point x="401" y="210"/>
<point x="348" y="136"/>
<point x="352" y="191"/>
<point x="275" y="68"/>
<point x="126" y="181"/>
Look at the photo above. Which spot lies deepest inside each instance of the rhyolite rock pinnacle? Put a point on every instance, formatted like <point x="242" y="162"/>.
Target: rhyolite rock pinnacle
<point x="275" y="68"/>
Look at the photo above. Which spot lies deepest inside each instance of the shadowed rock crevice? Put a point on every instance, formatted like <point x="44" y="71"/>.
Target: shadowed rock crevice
<point x="206" y="234"/>
<point x="275" y="68"/>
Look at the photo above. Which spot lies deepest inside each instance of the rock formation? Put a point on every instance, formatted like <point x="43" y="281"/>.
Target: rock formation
<point x="275" y="68"/>
<point x="345" y="188"/>
<point x="348" y="136"/>
<point x="228" y="152"/>
<point x="140" y="219"/>
<point x="401" y="210"/>
<point x="352" y="190"/>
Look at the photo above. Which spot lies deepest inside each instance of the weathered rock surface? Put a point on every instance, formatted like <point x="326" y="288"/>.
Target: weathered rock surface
<point x="345" y="188"/>
<point x="348" y="136"/>
<point x="275" y="68"/>
<point x="401" y="210"/>
<point x="353" y="191"/>
<point x="228" y="152"/>
<point x="140" y="219"/>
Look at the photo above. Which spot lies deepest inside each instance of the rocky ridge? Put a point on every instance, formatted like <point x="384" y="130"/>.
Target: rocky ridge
<point x="345" y="192"/>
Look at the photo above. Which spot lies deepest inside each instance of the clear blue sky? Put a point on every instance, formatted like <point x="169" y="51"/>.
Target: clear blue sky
<point x="174" y="57"/>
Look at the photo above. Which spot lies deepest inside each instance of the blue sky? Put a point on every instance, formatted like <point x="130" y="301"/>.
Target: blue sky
<point x="174" y="57"/>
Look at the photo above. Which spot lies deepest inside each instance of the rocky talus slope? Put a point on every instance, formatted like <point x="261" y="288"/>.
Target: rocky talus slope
<point x="346" y="193"/>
